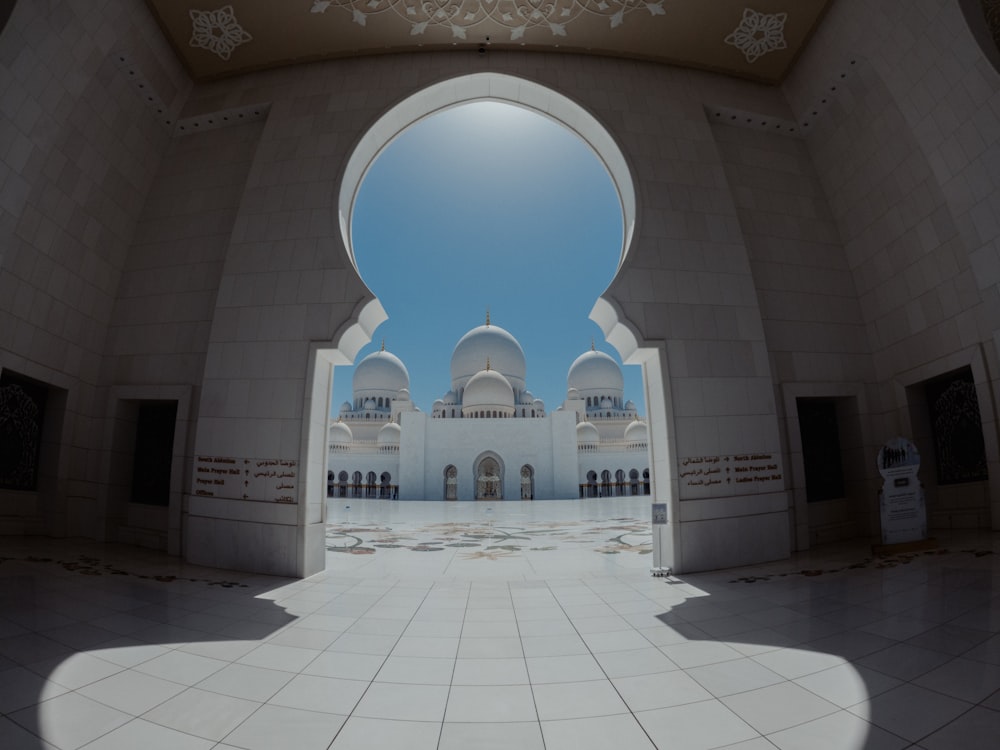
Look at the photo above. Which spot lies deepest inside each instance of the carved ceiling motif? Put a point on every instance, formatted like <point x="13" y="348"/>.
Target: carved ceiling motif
<point x="756" y="39"/>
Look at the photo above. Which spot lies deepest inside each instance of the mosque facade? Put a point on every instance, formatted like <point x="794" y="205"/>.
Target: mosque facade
<point x="488" y="437"/>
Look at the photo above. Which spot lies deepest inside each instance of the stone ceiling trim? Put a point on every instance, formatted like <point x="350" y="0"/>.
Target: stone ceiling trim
<point x="800" y="128"/>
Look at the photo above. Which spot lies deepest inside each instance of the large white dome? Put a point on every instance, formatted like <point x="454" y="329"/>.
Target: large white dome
<point x="488" y="389"/>
<point x="380" y="371"/>
<point x="492" y="343"/>
<point x="595" y="371"/>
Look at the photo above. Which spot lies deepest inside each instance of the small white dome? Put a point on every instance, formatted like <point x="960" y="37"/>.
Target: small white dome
<point x="488" y="389"/>
<point x="345" y="407"/>
<point x="572" y="393"/>
<point x="380" y="371"/>
<point x="630" y="405"/>
<point x="586" y="433"/>
<point x="450" y="398"/>
<point x="606" y="403"/>
<point x="637" y="432"/>
<point x="538" y="403"/>
<point x="595" y="371"/>
<point x="370" y="403"/>
<point x="403" y="395"/>
<point x="340" y="434"/>
<point x="389" y="434"/>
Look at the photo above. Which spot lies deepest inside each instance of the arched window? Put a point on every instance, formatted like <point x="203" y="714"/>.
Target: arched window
<point x="342" y="477"/>
<point x="370" y="484"/>
<point x="385" y="485"/>
<point x="633" y="481"/>
<point x="620" y="482"/>
<point x="591" y="484"/>
<point x="645" y="481"/>
<point x="356" y="485"/>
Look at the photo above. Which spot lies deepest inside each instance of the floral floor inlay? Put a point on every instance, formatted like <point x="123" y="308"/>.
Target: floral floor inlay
<point x="487" y="541"/>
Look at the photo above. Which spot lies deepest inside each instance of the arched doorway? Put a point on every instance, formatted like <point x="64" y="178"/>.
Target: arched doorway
<point x="450" y="483"/>
<point x="527" y="483"/>
<point x="358" y="330"/>
<point x="489" y="478"/>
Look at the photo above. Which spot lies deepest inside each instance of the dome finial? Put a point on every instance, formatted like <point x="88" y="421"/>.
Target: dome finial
<point x="592" y="347"/>
<point x="383" y="344"/>
<point x="488" y="364"/>
<point x="487" y="316"/>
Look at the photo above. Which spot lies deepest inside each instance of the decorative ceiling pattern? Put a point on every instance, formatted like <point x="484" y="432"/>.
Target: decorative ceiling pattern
<point x="756" y="39"/>
<point x="463" y="16"/>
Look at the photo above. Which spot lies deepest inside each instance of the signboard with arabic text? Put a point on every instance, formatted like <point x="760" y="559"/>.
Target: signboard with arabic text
<point x="736" y="474"/>
<point x="270" y="480"/>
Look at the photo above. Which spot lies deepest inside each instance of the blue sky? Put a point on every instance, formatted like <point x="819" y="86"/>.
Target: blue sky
<point x="482" y="206"/>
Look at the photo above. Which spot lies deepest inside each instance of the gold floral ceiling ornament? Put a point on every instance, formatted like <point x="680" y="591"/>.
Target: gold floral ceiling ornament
<point x="758" y="34"/>
<point x="217" y="31"/>
<point x="517" y="15"/>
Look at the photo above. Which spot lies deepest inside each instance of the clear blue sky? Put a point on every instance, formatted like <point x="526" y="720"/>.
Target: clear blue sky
<point x="482" y="206"/>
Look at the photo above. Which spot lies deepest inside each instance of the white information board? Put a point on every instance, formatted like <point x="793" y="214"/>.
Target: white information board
<point x="901" y="502"/>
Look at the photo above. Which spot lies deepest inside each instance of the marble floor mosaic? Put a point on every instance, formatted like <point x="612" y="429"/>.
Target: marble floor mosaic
<point x="548" y="632"/>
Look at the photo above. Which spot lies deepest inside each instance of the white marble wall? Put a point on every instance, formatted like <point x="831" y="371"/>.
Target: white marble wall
<point x="78" y="152"/>
<point x="908" y="155"/>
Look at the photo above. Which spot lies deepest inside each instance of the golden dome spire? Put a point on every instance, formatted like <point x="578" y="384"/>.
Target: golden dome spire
<point x="383" y="344"/>
<point x="487" y="316"/>
<point x="487" y="364"/>
<point x="592" y="347"/>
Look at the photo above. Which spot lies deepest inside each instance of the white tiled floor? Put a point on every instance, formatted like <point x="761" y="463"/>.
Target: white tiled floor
<point x="473" y="626"/>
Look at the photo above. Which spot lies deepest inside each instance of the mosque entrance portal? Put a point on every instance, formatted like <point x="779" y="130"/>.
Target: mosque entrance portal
<point x="489" y="479"/>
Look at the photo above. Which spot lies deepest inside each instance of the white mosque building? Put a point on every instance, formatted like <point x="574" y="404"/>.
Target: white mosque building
<point x="488" y="437"/>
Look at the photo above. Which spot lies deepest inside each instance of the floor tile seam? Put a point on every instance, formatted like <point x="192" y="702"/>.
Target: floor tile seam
<point x="937" y="729"/>
<point x="948" y="695"/>
<point x="451" y="681"/>
<point x="527" y="671"/>
<point x="132" y="719"/>
<point x="167" y="679"/>
<point x="908" y="680"/>
<point x="781" y="679"/>
<point x="380" y="668"/>
<point x="151" y="708"/>
<point x="607" y="677"/>
<point x="199" y="686"/>
<point x="385" y="657"/>
<point x="636" y="715"/>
